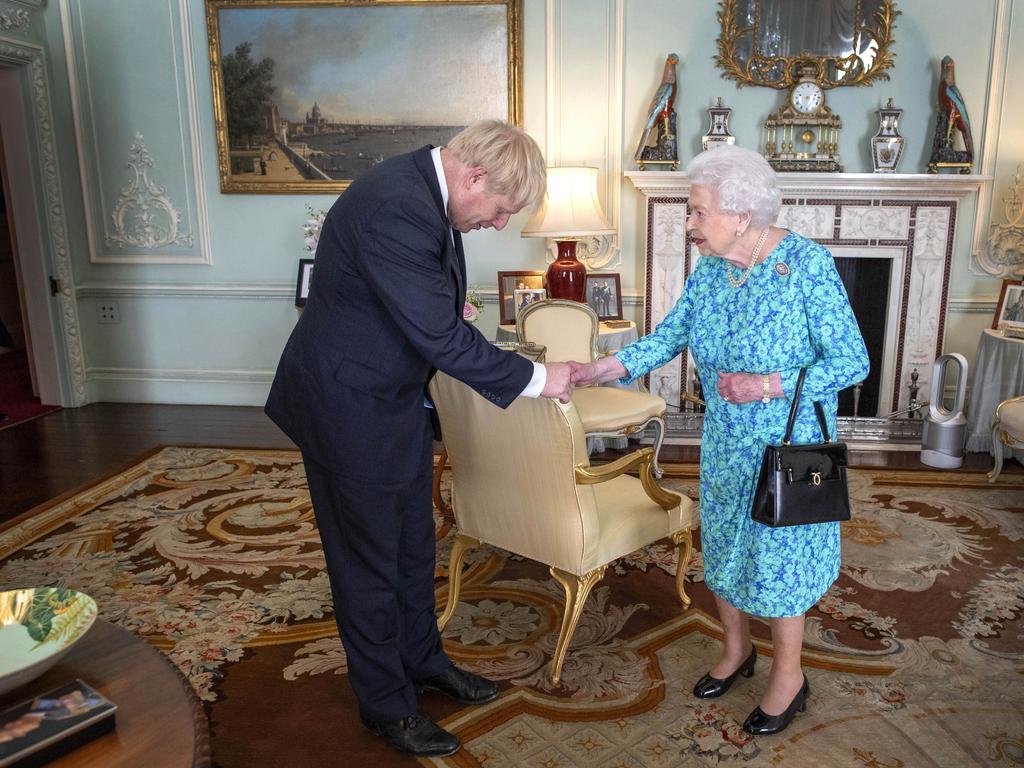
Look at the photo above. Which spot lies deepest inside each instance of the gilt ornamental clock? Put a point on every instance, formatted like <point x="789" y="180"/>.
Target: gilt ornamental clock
<point x="804" y="134"/>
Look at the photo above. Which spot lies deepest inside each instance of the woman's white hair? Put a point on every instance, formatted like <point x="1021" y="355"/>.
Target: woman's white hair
<point x="741" y="179"/>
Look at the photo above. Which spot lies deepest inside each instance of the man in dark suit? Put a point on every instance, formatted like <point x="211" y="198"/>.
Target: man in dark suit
<point x="383" y="313"/>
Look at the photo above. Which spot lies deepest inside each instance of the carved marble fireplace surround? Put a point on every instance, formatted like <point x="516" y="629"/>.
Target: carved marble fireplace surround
<point x="908" y="219"/>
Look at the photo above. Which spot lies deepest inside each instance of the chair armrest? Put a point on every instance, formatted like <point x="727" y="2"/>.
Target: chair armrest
<point x="687" y="397"/>
<point x="644" y="459"/>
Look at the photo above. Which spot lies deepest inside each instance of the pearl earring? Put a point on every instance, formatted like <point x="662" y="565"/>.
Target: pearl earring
<point x="739" y="233"/>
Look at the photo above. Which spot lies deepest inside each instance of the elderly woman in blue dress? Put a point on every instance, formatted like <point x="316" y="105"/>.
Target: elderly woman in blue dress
<point x="762" y="304"/>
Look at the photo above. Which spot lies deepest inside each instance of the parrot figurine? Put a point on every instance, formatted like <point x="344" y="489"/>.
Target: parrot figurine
<point x="951" y="103"/>
<point x="661" y="104"/>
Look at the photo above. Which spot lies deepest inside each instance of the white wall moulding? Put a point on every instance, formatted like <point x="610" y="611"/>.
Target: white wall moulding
<point x="221" y="291"/>
<point x="571" y="135"/>
<point x="14" y="19"/>
<point x="907" y="219"/>
<point x="159" y="216"/>
<point x="31" y="62"/>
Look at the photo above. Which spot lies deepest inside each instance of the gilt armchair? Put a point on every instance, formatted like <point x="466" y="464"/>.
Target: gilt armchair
<point x="521" y="481"/>
<point x="1008" y="430"/>
<point x="568" y="330"/>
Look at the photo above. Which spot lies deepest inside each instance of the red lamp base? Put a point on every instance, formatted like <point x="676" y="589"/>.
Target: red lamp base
<point x="567" y="277"/>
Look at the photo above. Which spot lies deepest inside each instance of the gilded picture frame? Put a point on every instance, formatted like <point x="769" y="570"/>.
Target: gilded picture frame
<point x="309" y="94"/>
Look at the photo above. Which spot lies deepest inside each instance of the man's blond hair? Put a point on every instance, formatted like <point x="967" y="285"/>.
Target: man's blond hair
<point x="513" y="161"/>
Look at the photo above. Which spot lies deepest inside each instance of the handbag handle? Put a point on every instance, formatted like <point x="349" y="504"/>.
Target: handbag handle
<point x="818" y="410"/>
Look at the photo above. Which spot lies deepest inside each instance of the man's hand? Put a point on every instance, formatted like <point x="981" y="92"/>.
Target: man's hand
<point x="559" y="384"/>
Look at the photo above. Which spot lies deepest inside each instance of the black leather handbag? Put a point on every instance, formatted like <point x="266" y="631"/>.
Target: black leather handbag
<point x="802" y="484"/>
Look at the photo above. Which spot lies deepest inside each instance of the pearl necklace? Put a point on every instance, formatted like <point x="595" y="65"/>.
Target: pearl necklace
<point x="736" y="282"/>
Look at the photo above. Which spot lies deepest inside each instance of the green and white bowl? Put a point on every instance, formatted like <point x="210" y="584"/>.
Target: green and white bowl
<point x="37" y="627"/>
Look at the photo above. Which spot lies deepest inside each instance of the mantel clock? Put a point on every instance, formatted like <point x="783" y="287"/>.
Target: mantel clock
<point x="803" y="135"/>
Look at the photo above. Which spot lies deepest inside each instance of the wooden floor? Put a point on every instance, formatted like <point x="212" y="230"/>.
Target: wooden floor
<point x="64" y="451"/>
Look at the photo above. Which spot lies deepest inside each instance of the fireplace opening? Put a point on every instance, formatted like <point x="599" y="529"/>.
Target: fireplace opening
<point x="867" y="285"/>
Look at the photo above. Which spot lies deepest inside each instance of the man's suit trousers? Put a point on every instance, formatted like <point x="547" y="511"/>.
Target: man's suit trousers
<point x="379" y="543"/>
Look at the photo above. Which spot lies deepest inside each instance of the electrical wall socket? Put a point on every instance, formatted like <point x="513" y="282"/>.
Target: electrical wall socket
<point x="109" y="313"/>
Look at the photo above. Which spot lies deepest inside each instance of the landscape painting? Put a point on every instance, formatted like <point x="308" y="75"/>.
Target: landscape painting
<point x="309" y="95"/>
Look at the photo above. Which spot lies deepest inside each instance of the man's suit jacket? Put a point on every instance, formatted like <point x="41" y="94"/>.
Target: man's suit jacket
<point x="384" y="311"/>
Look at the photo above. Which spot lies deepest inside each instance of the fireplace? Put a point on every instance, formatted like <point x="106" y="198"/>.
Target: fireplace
<point x="892" y="237"/>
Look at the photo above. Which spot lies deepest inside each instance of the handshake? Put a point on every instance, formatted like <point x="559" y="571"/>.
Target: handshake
<point x="563" y="378"/>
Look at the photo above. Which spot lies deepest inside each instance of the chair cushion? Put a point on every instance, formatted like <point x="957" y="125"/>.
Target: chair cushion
<point x="609" y="409"/>
<point x="628" y="520"/>
<point x="1011" y="419"/>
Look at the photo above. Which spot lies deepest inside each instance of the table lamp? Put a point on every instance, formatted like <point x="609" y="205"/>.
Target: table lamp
<point x="570" y="212"/>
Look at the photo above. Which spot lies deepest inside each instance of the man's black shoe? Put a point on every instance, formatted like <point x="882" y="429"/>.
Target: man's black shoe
<point x="463" y="686"/>
<point x="416" y="734"/>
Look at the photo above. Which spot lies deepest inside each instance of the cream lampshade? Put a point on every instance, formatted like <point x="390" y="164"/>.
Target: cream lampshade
<point x="570" y="212"/>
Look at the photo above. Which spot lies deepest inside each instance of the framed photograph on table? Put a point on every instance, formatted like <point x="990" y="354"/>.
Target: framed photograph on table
<point x="524" y="297"/>
<point x="1010" y="307"/>
<point x="508" y="284"/>
<point x="604" y="295"/>
<point x="302" y="284"/>
<point x="310" y="94"/>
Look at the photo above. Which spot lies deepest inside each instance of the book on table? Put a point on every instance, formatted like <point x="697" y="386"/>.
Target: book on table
<point x="44" y="727"/>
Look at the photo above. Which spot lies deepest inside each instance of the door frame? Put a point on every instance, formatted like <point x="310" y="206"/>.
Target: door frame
<point x="36" y="209"/>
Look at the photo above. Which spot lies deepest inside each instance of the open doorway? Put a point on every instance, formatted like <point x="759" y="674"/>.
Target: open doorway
<point x="19" y="392"/>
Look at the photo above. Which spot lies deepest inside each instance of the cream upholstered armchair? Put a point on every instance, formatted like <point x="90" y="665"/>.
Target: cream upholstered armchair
<point x="521" y="481"/>
<point x="568" y="330"/>
<point x="1007" y="429"/>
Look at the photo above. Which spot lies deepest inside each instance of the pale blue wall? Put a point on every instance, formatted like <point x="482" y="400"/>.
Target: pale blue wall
<point x="211" y="332"/>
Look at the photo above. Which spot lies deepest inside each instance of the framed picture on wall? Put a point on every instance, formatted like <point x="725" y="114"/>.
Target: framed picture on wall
<point x="604" y="295"/>
<point x="302" y="284"/>
<point x="508" y="284"/>
<point x="1010" y="307"/>
<point x="309" y="95"/>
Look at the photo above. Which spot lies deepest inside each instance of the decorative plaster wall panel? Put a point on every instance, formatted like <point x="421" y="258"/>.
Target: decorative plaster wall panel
<point x="874" y="223"/>
<point x="123" y="88"/>
<point x="816" y="221"/>
<point x="14" y="20"/>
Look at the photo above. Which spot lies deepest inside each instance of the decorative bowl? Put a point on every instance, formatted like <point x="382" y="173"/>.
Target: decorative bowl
<point x="37" y="627"/>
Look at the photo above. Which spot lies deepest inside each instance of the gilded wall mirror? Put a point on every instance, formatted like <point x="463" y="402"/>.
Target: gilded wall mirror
<point x="770" y="42"/>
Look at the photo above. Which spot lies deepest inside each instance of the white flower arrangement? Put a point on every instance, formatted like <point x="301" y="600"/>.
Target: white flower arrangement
<point x="473" y="307"/>
<point x="311" y="229"/>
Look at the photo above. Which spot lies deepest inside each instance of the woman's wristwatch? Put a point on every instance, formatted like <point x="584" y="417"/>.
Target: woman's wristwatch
<point x="766" y="389"/>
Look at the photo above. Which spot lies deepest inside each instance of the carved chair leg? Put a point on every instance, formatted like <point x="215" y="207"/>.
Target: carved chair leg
<point x="659" y="437"/>
<point x="439" y="502"/>
<point x="684" y="541"/>
<point x="577" y="588"/>
<point x="997" y="449"/>
<point x="460" y="547"/>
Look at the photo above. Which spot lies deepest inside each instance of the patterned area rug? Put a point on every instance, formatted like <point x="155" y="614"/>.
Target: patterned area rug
<point x="915" y="657"/>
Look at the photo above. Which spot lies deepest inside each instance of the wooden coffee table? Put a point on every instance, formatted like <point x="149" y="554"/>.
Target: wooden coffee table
<point x="160" y="722"/>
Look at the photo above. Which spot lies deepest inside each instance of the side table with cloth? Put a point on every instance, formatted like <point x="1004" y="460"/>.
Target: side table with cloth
<point x="998" y="375"/>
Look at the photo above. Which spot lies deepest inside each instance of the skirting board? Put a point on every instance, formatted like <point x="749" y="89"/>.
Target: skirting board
<point x="179" y="387"/>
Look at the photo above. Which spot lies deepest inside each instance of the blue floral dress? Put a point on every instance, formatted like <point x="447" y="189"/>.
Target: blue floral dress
<point x="792" y="312"/>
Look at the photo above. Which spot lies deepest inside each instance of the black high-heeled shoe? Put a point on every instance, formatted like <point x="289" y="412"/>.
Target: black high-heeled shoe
<point x="760" y="724"/>
<point x="709" y="687"/>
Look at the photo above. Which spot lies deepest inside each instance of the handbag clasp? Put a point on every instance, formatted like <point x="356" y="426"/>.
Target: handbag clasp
<point x="815" y="478"/>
